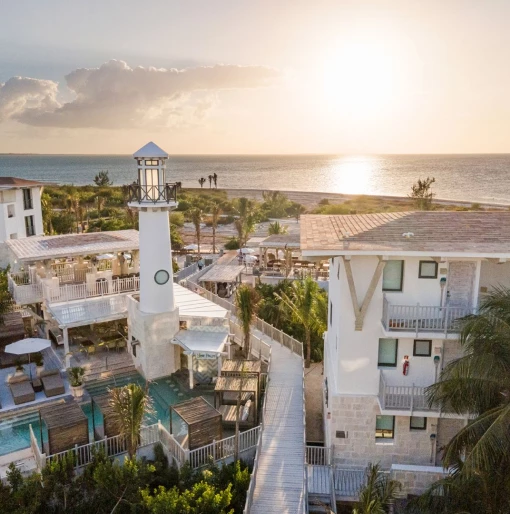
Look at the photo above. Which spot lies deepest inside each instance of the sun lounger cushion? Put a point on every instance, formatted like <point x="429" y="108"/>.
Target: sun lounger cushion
<point x="49" y="373"/>
<point x="246" y="411"/>
<point x="53" y="385"/>
<point x="22" y="392"/>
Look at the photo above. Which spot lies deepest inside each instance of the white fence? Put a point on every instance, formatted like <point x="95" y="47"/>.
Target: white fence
<point x="40" y="458"/>
<point x="22" y="291"/>
<point x="421" y="318"/>
<point x="69" y="292"/>
<point x="400" y="397"/>
<point x="318" y="455"/>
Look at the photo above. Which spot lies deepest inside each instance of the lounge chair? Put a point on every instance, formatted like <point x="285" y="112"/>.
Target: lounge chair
<point x="228" y="414"/>
<point x="52" y="383"/>
<point x="230" y="398"/>
<point x="21" y="390"/>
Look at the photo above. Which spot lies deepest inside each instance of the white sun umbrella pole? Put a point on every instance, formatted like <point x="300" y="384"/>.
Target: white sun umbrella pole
<point x="28" y="346"/>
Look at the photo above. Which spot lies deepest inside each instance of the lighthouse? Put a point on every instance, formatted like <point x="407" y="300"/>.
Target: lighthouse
<point x="153" y="319"/>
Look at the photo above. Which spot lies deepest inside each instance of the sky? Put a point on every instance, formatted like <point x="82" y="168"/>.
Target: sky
<point x="255" y="77"/>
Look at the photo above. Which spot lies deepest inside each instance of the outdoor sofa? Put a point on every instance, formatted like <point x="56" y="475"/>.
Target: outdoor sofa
<point x="21" y="389"/>
<point x="52" y="383"/>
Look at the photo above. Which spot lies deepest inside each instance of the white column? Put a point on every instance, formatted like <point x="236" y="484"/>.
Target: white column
<point x="155" y="255"/>
<point x="190" y="369"/>
<point x="220" y="360"/>
<point x="66" y="347"/>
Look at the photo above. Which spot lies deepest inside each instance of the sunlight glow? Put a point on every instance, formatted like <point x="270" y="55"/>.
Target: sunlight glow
<point x="359" y="80"/>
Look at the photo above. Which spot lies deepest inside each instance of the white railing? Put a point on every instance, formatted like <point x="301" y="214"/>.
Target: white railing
<point x="173" y="447"/>
<point x="403" y="397"/>
<point x="40" y="458"/>
<point x="69" y="292"/>
<point x="318" y="455"/>
<point x="24" y="293"/>
<point x="348" y="482"/>
<point x="421" y="318"/>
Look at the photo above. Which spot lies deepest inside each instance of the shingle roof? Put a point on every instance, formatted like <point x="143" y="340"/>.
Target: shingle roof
<point x="477" y="233"/>
<point x="15" y="182"/>
<point x="281" y="240"/>
<point x="54" y="247"/>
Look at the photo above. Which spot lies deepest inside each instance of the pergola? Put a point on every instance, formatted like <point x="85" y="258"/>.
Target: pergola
<point x="240" y="368"/>
<point x="202" y="420"/>
<point x="110" y="426"/>
<point x="237" y="385"/>
<point x="221" y="275"/>
<point x="286" y="243"/>
<point x="67" y="426"/>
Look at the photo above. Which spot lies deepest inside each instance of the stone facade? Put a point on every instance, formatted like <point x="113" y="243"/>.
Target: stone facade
<point x="415" y="480"/>
<point x="356" y="416"/>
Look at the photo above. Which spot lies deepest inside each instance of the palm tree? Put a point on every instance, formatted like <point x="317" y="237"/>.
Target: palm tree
<point x="215" y="216"/>
<point x="245" y="223"/>
<point x="129" y="405"/>
<point x="478" y="385"/>
<point x="246" y="302"/>
<point x="304" y="306"/>
<point x="210" y="177"/>
<point x="47" y="213"/>
<point x="201" y="181"/>
<point x="378" y="494"/>
<point x="215" y="180"/>
<point x="196" y="217"/>
<point x="276" y="228"/>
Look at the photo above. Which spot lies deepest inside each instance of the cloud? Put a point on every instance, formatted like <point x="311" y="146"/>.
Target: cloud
<point x="118" y="96"/>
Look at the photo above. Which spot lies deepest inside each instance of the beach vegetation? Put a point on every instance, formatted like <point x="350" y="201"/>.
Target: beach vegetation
<point x="136" y="485"/>
<point x="201" y="181"/>
<point x="421" y="193"/>
<point x="276" y="228"/>
<point x="232" y="244"/>
<point x="102" y="179"/>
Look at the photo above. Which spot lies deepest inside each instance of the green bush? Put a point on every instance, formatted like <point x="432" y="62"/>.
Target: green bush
<point x="232" y="244"/>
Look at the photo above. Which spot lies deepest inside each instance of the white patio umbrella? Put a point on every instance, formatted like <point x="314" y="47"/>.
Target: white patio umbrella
<point x="28" y="346"/>
<point x="250" y="258"/>
<point x="247" y="250"/>
<point x="191" y="247"/>
<point x="105" y="256"/>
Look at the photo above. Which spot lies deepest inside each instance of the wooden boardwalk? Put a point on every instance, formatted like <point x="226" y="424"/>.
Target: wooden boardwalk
<point x="280" y="479"/>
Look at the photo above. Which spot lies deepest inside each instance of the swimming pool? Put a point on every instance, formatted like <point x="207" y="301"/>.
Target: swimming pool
<point x="15" y="434"/>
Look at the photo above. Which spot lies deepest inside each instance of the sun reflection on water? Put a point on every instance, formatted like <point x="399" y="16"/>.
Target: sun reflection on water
<point x="353" y="174"/>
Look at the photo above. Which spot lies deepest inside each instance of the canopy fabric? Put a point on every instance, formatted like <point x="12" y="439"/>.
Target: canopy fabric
<point x="198" y="341"/>
<point x="28" y="345"/>
<point x="105" y="256"/>
<point x="222" y="274"/>
<point x="247" y="250"/>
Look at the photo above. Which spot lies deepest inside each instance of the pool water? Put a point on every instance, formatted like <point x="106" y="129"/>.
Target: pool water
<point x="15" y="434"/>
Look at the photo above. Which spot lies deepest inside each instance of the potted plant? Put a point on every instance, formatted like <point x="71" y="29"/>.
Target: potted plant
<point x="20" y="370"/>
<point x="39" y="364"/>
<point x="76" y="380"/>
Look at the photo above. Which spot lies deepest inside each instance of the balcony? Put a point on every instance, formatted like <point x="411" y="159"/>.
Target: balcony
<point x="22" y="290"/>
<point x="151" y="194"/>
<point x="102" y="287"/>
<point x="408" y="398"/>
<point x="419" y="319"/>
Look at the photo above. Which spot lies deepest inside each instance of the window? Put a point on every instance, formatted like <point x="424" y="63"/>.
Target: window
<point x="384" y="427"/>
<point x="428" y="269"/>
<point x="152" y="162"/>
<point x="393" y="276"/>
<point x="422" y="348"/>
<point x="417" y="423"/>
<point x="11" y="212"/>
<point x="27" y="199"/>
<point x="387" y="352"/>
<point x="29" y="226"/>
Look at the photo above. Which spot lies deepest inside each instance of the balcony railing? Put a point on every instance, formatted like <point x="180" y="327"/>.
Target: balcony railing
<point x="22" y="291"/>
<point x="69" y="292"/>
<point x="402" y="397"/>
<point x="151" y="194"/>
<point x="419" y="318"/>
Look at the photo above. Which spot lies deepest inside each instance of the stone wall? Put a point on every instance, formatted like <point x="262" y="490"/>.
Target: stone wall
<point x="415" y="479"/>
<point x="356" y="416"/>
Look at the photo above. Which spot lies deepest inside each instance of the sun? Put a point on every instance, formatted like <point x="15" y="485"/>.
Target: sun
<point x="359" y="80"/>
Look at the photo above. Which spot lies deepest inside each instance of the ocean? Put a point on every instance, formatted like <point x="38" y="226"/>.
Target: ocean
<point x="473" y="178"/>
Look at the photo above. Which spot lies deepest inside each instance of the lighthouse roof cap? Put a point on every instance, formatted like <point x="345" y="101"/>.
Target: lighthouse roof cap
<point x="150" y="150"/>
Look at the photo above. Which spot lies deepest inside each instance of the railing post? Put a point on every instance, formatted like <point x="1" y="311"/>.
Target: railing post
<point x="412" y="398"/>
<point x="417" y="317"/>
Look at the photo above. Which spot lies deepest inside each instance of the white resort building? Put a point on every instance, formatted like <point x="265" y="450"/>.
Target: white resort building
<point x="20" y="212"/>
<point x="398" y="283"/>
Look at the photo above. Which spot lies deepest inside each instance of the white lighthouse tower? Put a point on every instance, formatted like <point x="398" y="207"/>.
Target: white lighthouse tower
<point x="153" y="321"/>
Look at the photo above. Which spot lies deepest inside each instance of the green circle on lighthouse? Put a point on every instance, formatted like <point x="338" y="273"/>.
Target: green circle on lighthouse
<point x="161" y="277"/>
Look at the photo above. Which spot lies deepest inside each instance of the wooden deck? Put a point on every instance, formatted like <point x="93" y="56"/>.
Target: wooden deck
<point x="280" y="483"/>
